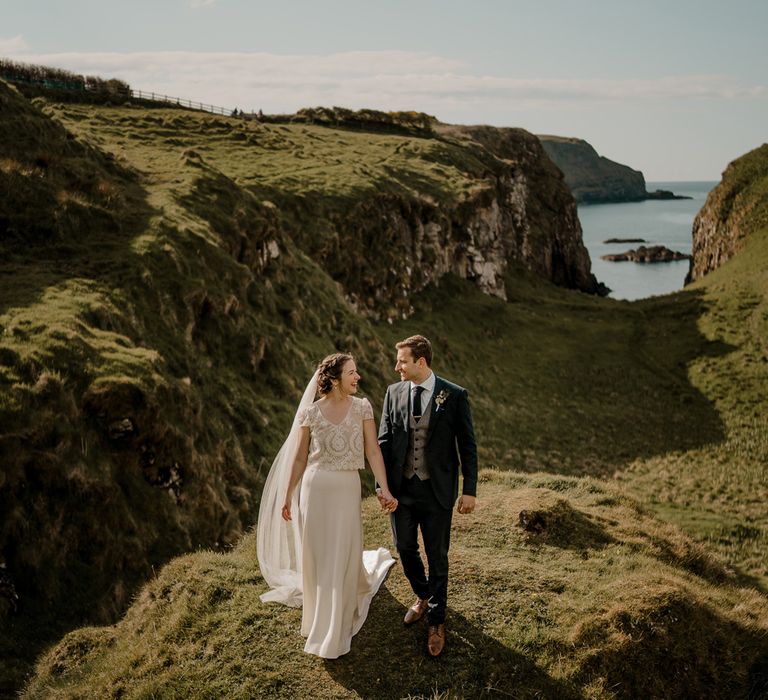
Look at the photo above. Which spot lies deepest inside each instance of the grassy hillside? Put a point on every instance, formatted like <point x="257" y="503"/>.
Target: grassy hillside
<point x="579" y="611"/>
<point x="149" y="356"/>
<point x="168" y="281"/>
<point x="584" y="608"/>
<point x="719" y="490"/>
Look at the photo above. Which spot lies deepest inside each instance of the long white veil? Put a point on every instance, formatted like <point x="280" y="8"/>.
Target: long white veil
<point x="278" y="542"/>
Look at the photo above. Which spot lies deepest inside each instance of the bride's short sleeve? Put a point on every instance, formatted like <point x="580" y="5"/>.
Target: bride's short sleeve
<point x="367" y="410"/>
<point x="304" y="417"/>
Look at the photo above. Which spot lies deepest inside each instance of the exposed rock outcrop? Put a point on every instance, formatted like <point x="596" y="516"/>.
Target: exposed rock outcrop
<point x="540" y="214"/>
<point x="388" y="246"/>
<point x="665" y="194"/>
<point x="643" y="254"/>
<point x="733" y="210"/>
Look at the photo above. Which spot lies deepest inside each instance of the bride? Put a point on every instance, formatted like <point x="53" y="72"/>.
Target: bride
<point x="310" y="547"/>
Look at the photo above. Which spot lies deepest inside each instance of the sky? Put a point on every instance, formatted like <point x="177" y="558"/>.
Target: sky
<point x="676" y="89"/>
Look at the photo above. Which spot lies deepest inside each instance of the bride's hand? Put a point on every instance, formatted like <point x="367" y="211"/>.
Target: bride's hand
<point x="388" y="501"/>
<point x="286" y="512"/>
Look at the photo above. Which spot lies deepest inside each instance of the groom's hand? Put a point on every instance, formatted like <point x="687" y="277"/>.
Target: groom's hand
<point x="387" y="504"/>
<point x="466" y="504"/>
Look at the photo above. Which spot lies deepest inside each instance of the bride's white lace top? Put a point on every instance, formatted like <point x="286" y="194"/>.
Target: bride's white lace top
<point x="336" y="446"/>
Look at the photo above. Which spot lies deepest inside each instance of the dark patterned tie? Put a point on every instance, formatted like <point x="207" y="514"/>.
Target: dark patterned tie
<point x="417" y="402"/>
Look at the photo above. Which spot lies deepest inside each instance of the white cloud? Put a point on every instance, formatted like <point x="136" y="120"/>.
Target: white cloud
<point x="202" y="3"/>
<point x="12" y="45"/>
<point x="377" y="79"/>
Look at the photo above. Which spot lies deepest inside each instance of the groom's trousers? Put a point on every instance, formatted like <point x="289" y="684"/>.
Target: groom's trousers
<point x="419" y="509"/>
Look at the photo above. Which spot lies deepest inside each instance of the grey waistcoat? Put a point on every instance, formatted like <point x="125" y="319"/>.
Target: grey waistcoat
<point x="417" y="441"/>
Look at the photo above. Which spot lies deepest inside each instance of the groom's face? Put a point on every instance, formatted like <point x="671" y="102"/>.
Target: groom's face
<point x="410" y="370"/>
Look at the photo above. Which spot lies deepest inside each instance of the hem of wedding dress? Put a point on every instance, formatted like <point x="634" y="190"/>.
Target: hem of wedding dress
<point x="321" y="655"/>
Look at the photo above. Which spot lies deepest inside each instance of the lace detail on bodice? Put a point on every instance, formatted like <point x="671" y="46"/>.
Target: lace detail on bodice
<point x="333" y="446"/>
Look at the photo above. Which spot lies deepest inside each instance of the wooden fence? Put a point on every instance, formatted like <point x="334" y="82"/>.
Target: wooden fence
<point x="126" y="93"/>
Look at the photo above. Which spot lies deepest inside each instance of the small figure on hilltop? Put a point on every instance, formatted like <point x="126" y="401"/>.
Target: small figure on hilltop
<point x="426" y="436"/>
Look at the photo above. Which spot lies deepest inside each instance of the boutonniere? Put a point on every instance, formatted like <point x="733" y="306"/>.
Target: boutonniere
<point x="441" y="398"/>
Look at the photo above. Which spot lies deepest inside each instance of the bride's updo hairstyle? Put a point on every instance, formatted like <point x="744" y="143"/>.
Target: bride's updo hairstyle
<point x="329" y="369"/>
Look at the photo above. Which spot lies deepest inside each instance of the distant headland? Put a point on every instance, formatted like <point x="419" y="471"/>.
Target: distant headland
<point x="594" y="179"/>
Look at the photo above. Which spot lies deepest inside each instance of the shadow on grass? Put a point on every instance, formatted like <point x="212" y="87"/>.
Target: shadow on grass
<point x="389" y="660"/>
<point x="568" y="383"/>
<point x="681" y="649"/>
<point x="564" y="526"/>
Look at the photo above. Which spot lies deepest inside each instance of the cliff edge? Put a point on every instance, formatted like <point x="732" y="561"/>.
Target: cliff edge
<point x="734" y="210"/>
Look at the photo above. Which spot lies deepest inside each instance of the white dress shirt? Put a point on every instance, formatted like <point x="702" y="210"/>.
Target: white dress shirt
<point x="426" y="396"/>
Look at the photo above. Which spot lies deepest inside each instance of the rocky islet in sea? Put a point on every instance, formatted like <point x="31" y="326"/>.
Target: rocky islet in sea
<point x="647" y="254"/>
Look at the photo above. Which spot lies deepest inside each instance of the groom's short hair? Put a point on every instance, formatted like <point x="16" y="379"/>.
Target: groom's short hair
<point x="419" y="347"/>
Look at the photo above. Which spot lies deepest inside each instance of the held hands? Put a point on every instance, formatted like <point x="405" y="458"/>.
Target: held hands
<point x="387" y="500"/>
<point x="466" y="504"/>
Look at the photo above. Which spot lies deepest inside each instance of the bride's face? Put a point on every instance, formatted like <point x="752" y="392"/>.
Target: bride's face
<point x="349" y="378"/>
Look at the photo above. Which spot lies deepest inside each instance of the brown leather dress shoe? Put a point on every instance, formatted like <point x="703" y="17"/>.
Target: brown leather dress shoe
<point x="436" y="640"/>
<point x="416" y="611"/>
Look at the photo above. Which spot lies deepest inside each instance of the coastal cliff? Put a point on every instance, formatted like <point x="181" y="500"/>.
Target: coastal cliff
<point x="735" y="209"/>
<point x="547" y="234"/>
<point x="593" y="178"/>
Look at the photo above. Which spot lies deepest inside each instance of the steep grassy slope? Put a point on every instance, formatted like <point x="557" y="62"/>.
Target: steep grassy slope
<point x="604" y="602"/>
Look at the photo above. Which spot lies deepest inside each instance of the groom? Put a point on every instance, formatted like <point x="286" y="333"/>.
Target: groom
<point x="426" y="435"/>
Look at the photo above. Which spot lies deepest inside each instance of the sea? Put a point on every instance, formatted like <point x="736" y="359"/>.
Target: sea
<point x="660" y="222"/>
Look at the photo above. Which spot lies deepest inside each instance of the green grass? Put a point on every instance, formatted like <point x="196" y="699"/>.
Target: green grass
<point x="582" y="609"/>
<point x="718" y="490"/>
<point x="566" y="382"/>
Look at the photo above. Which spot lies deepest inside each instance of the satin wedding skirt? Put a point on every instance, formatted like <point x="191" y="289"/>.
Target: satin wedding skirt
<point x="339" y="579"/>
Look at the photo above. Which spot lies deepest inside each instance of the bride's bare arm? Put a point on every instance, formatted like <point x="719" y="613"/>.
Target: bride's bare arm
<point x="297" y="470"/>
<point x="376" y="460"/>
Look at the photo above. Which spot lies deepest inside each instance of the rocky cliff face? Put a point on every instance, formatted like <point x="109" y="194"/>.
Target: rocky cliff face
<point x="737" y="207"/>
<point x="592" y="178"/>
<point x="169" y="279"/>
<point x="510" y="207"/>
<point x="540" y="213"/>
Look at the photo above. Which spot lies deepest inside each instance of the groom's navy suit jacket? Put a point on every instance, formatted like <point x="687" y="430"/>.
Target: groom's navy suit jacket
<point x="450" y="440"/>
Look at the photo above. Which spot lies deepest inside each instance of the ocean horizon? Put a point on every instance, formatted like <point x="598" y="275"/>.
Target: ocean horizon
<point x="666" y="222"/>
